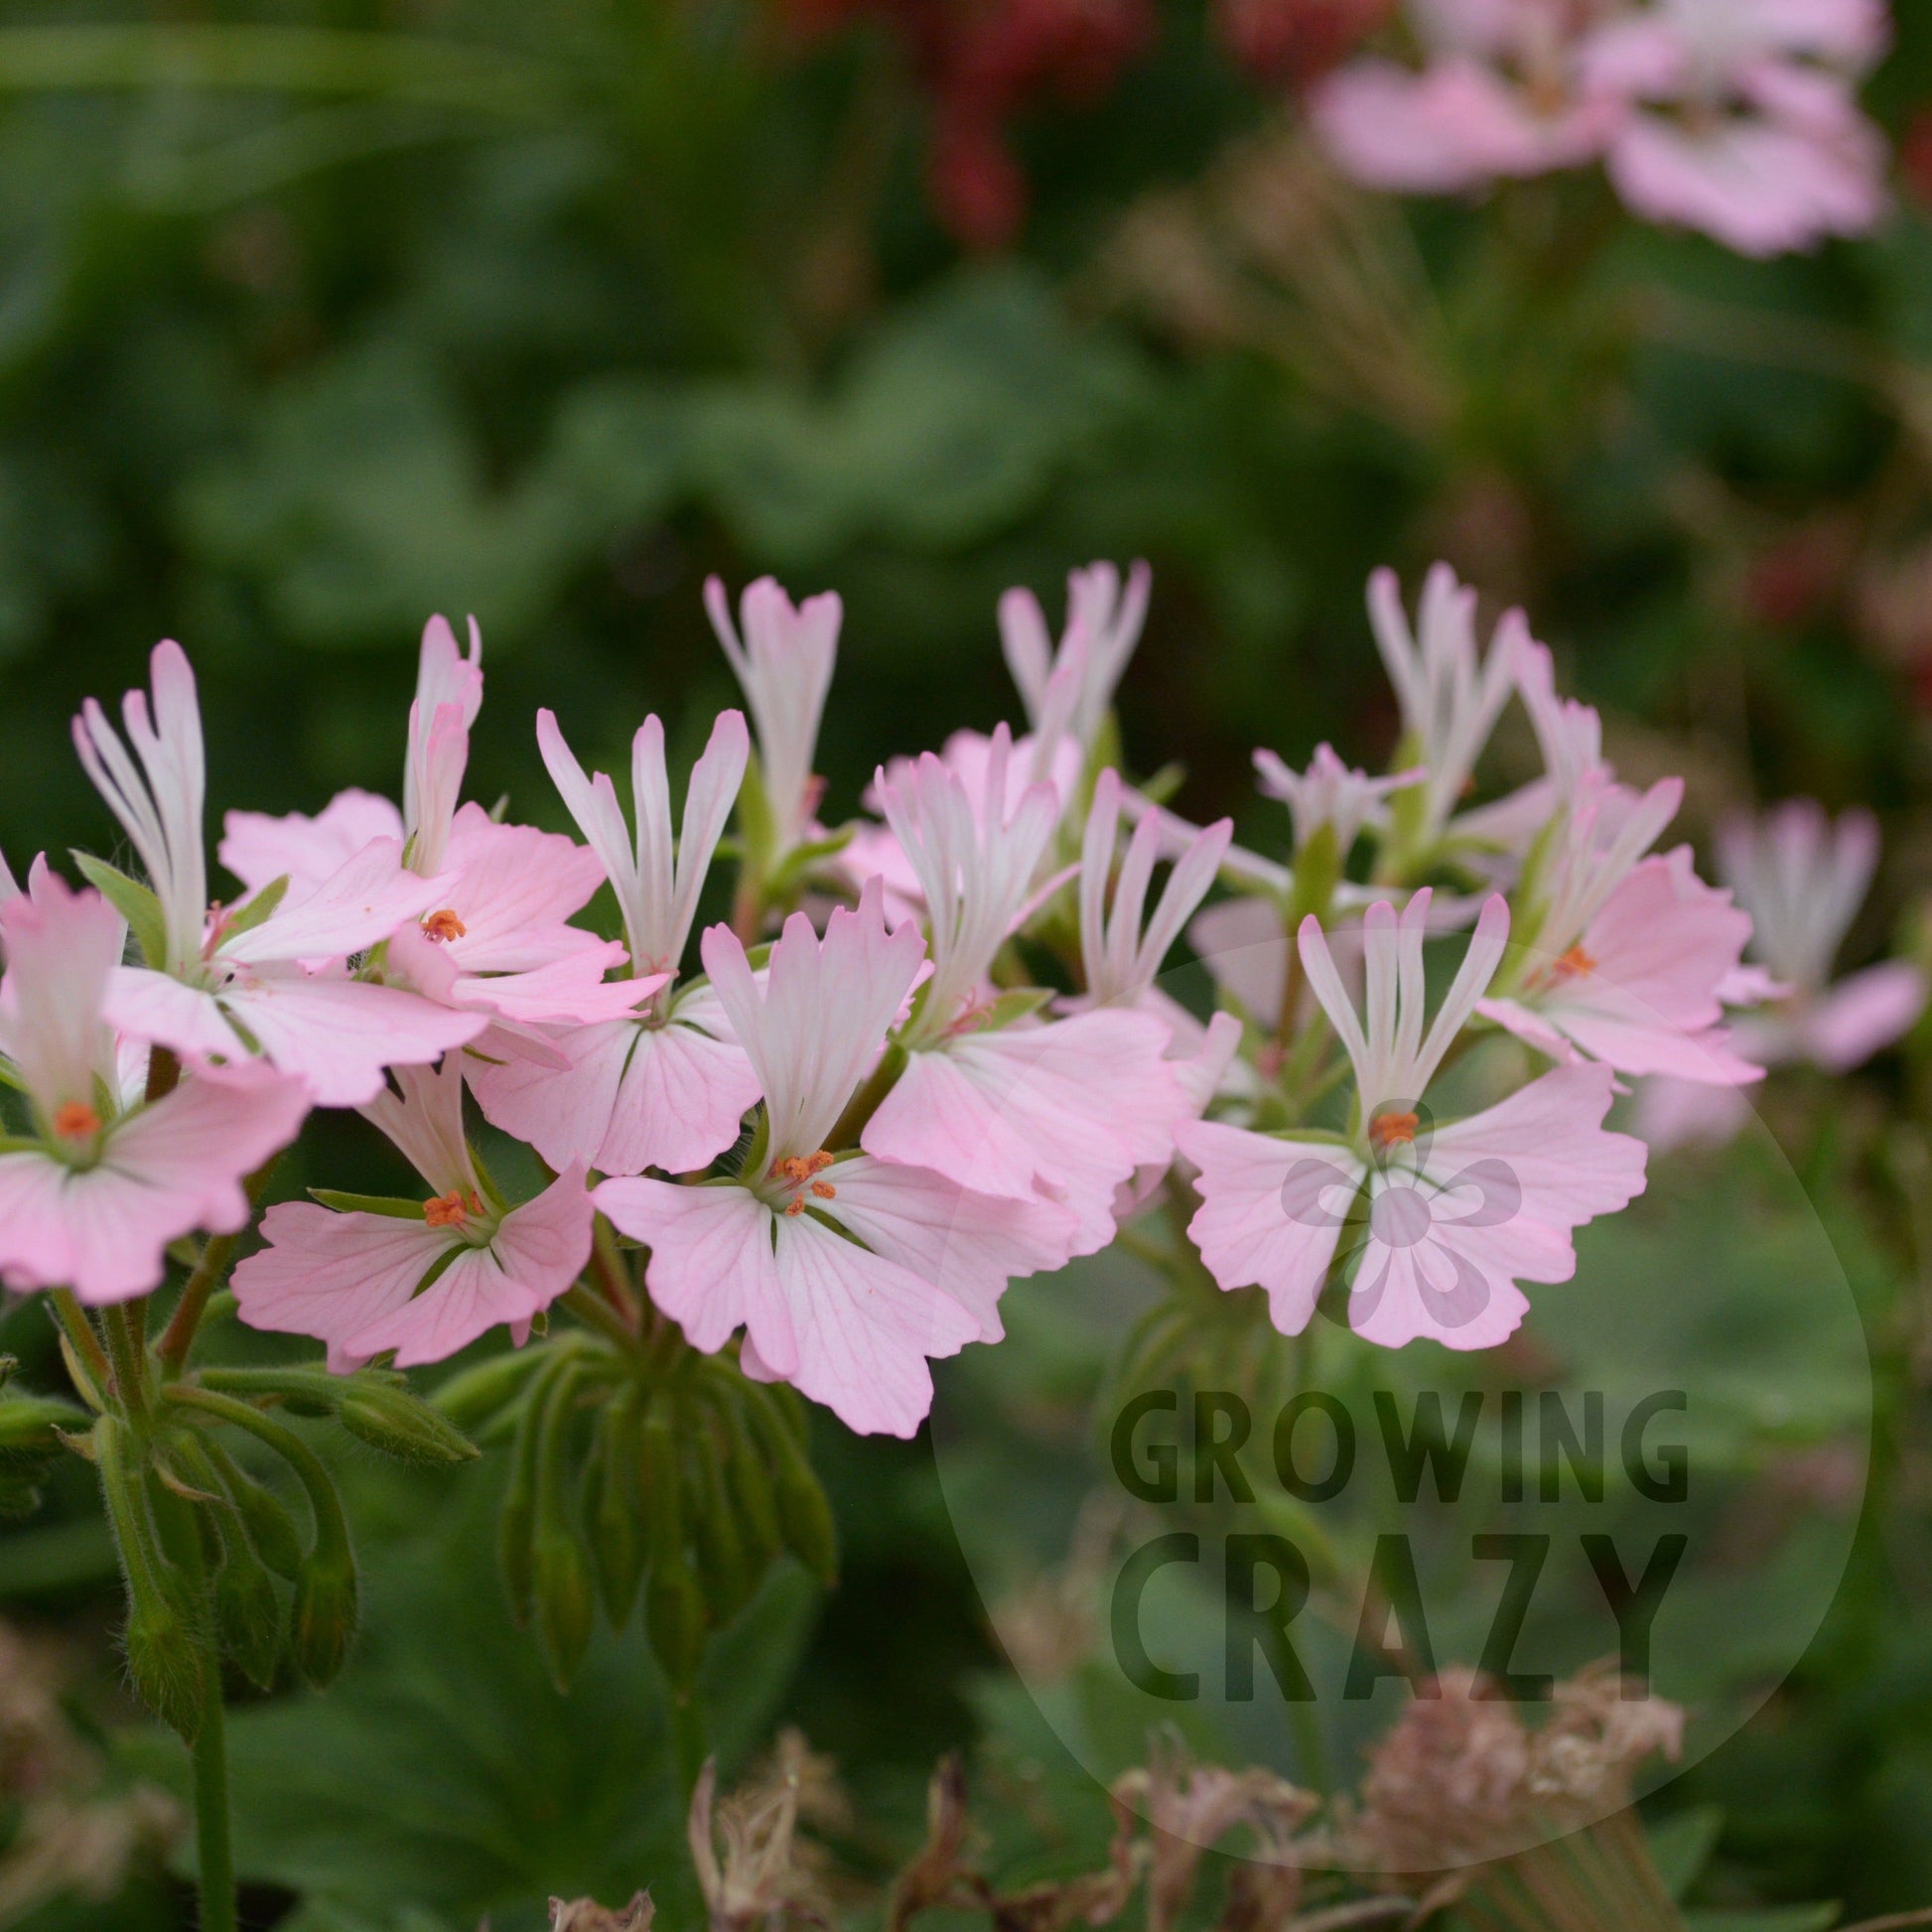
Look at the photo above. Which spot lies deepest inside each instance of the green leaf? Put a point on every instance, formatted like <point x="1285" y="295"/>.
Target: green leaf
<point x="441" y="1774"/>
<point x="134" y="902"/>
<point x="1681" y="1846"/>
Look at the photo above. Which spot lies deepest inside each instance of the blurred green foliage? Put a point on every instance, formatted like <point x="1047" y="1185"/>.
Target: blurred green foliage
<point x="320" y="315"/>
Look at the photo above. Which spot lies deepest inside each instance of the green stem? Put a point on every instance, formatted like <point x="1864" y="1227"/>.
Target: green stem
<point x="179" y="1335"/>
<point x="608" y="1264"/>
<point x="81" y="1339"/>
<point x="214" y="1826"/>
<point x="594" y="1311"/>
<point x="126" y="1325"/>
<point x="688" y="1733"/>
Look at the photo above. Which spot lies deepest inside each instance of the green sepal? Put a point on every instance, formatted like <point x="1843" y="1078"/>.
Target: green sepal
<point x="564" y="1596"/>
<point x="137" y="903"/>
<point x="614" y="1511"/>
<point x="393" y="1205"/>
<point x="251" y="913"/>
<point x="271" y="1529"/>
<point x="674" y="1620"/>
<point x="401" y="1424"/>
<point x="475" y="1395"/>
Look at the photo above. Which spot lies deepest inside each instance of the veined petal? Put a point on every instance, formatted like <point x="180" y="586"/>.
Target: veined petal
<point x="357" y="907"/>
<point x="259" y="849"/>
<point x="1272" y="1212"/>
<point x="330" y="1276"/>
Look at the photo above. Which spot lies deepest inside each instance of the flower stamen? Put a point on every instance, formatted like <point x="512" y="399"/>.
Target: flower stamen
<point x="1392" y="1129"/>
<point x="450" y="1210"/>
<point x="443" y="927"/>
<point x="75" y="1120"/>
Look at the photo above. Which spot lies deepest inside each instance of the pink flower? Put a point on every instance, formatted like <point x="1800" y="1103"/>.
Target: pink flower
<point x="846" y="1273"/>
<point x="1456" y="1216"/>
<point x="495" y="941"/>
<point x="1802" y="879"/>
<point x="784" y="665"/>
<point x="1748" y="125"/>
<point x="1103" y="626"/>
<point x="419" y="1280"/>
<point x="1450" y="695"/>
<point x="1639" y="987"/>
<point x="1063" y="1111"/>
<point x="93" y="1199"/>
<point x="666" y="1086"/>
<point x="264" y="977"/>
<point x="1330" y="793"/>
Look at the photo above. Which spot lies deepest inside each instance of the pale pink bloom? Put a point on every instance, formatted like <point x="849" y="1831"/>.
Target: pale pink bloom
<point x="260" y="849"/>
<point x="1458" y="124"/>
<point x="1122" y="950"/>
<point x="238" y="984"/>
<point x="1104" y="618"/>
<point x="1802" y="879"/>
<point x="449" y="697"/>
<point x="1640" y="988"/>
<point x="1748" y="125"/>
<point x="105" y="1183"/>
<point x="422" y="1282"/>
<point x="1244" y="944"/>
<point x="847" y="1273"/>
<point x="499" y="941"/>
<point x="1330" y="793"/>
<point x="1448" y="693"/>
<point x="1458" y="1216"/>
<point x="874" y="852"/>
<point x="784" y="665"/>
<point x="667" y="1086"/>
<point x="1063" y="1111"/>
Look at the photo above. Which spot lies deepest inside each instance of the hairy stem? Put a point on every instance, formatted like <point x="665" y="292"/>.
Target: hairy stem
<point x="595" y="1313"/>
<point x="179" y="1335"/>
<point x="126" y="1325"/>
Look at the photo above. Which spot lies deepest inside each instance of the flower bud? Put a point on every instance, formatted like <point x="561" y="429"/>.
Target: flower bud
<point x="327" y="1609"/>
<point x="270" y="1527"/>
<point x="723" y="1573"/>
<point x="614" y="1510"/>
<point x="804" y="1516"/>
<point x="476" y="1397"/>
<point x="674" y="1620"/>
<point x="166" y="1657"/>
<point x="248" y="1611"/>
<point x="750" y="1489"/>
<point x="31" y="1425"/>
<point x="566" y="1600"/>
<point x="401" y="1425"/>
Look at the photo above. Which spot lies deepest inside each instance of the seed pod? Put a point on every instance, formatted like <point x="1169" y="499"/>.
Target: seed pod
<point x="31" y="1425"/>
<point x="614" y="1511"/>
<point x="401" y="1425"/>
<point x="674" y="1618"/>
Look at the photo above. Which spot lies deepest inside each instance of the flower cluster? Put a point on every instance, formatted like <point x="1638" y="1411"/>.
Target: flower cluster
<point x="932" y="1050"/>
<point x="1736" y="117"/>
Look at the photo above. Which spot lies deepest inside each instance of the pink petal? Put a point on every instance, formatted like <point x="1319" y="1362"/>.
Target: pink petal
<point x="1515" y="1018"/>
<point x="1679" y="1113"/>
<point x="515" y="887"/>
<point x="711" y="1264"/>
<point x="150" y="1005"/>
<point x="1863" y="1013"/>
<point x="631" y="1097"/>
<point x="966" y="1245"/>
<point x="536" y="1253"/>
<point x="259" y="849"/>
<point x="357" y="907"/>
<point x="165" y="1171"/>
<point x="1271" y="1212"/>
<point x="569" y="989"/>
<point x="339" y="1036"/>
<point x="1070" y="1110"/>
<point x="331" y="1276"/>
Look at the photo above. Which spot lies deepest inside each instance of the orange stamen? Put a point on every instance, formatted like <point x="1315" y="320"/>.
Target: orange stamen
<point x="446" y="1211"/>
<point x="794" y="1205"/>
<point x="443" y="926"/>
<point x="1574" y="964"/>
<point x="1386" y="1130"/>
<point x="75" y="1120"/>
<point x="825" y="1191"/>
